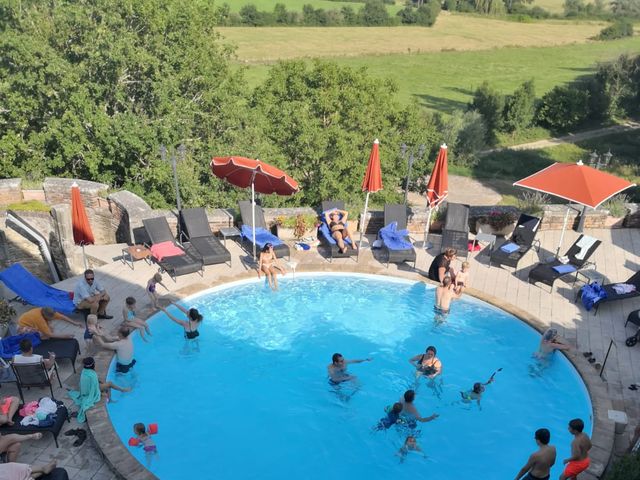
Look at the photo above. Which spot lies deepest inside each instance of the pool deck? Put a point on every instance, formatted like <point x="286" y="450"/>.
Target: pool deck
<point x="617" y="258"/>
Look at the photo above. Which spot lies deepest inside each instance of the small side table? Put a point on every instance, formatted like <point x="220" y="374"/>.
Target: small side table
<point x="134" y="253"/>
<point x="485" y="237"/>
<point x="229" y="232"/>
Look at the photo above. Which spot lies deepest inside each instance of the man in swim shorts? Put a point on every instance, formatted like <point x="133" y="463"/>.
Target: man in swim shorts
<point x="445" y="293"/>
<point x="410" y="412"/>
<point x="539" y="465"/>
<point x="123" y="348"/>
<point x="337" y="369"/>
<point x="580" y="446"/>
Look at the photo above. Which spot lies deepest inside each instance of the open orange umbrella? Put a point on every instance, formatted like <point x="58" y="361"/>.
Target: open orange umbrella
<point x="577" y="183"/>
<point x="262" y="177"/>
<point x="82" y="234"/>
<point x="438" y="186"/>
<point x="371" y="183"/>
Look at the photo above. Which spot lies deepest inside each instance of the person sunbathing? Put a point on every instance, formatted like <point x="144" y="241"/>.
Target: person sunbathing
<point x="337" y="223"/>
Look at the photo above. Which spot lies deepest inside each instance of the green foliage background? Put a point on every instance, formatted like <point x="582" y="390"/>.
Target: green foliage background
<point x="92" y="88"/>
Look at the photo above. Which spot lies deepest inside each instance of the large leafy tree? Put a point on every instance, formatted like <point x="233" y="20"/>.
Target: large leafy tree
<point x="91" y="88"/>
<point x="323" y="119"/>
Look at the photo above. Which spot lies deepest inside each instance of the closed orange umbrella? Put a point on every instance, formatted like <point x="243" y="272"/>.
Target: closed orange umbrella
<point x="577" y="183"/>
<point x="82" y="234"/>
<point x="371" y="183"/>
<point x="438" y="186"/>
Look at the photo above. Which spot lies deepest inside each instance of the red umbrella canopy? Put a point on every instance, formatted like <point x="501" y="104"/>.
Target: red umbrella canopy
<point x="438" y="186"/>
<point x="79" y="221"/>
<point x="576" y="182"/>
<point x="372" y="181"/>
<point x="241" y="171"/>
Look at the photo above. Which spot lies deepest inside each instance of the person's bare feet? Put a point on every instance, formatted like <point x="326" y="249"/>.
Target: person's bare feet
<point x="126" y="389"/>
<point x="36" y="436"/>
<point x="48" y="468"/>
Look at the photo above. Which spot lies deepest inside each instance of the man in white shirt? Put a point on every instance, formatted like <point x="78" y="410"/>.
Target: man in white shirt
<point x="89" y="294"/>
<point x="28" y="357"/>
<point x="123" y="348"/>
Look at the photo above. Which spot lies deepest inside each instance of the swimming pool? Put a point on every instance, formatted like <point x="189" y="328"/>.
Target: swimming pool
<point x="250" y="398"/>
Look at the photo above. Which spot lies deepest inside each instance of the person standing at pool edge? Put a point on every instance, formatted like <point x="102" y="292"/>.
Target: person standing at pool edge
<point x="337" y="369"/>
<point x="580" y="446"/>
<point x="539" y="465"/>
<point x="441" y="266"/>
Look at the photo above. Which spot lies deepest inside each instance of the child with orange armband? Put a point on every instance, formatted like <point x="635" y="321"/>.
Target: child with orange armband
<point x="143" y="439"/>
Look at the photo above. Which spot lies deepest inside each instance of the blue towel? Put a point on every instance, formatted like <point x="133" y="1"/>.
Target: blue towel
<point x="592" y="294"/>
<point x="262" y="236"/>
<point x="34" y="291"/>
<point x="510" y="247"/>
<point x="393" y="238"/>
<point x="562" y="269"/>
<point x="326" y="233"/>
<point x="10" y="346"/>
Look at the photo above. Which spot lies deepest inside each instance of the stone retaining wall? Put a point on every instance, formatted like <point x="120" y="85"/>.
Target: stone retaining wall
<point x="58" y="190"/>
<point x="10" y="191"/>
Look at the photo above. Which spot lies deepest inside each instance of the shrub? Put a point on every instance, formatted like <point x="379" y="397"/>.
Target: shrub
<point x="499" y="219"/>
<point x="29" y="206"/>
<point x="532" y="202"/>
<point x="519" y="108"/>
<point x="374" y="13"/>
<point x="616" y="205"/>
<point x="621" y="28"/>
<point x="626" y="468"/>
<point x="300" y="223"/>
<point x="564" y="107"/>
<point x="489" y="103"/>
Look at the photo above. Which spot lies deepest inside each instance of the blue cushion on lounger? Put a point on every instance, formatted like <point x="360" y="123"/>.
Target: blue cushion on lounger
<point x="564" y="269"/>
<point x="510" y="247"/>
<point x="262" y="236"/>
<point x="393" y="238"/>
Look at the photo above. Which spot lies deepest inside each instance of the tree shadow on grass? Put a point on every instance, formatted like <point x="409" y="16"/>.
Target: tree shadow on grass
<point x="439" y="104"/>
<point x="511" y="164"/>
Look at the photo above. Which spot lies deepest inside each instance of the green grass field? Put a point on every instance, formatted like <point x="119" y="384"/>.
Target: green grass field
<point x="444" y="81"/>
<point x="296" y="5"/>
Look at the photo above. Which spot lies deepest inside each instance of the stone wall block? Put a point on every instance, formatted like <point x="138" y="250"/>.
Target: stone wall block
<point x="10" y="191"/>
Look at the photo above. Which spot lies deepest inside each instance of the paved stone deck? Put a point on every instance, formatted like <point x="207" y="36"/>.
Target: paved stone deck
<point x="617" y="258"/>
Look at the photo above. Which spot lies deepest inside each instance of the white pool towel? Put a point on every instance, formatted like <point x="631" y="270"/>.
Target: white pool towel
<point x="585" y="243"/>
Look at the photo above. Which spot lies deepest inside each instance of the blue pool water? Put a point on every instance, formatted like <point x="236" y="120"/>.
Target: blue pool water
<point x="251" y="399"/>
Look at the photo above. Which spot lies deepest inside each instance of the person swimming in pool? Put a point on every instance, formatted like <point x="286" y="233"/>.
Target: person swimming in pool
<point x="427" y="364"/>
<point x="409" y="411"/>
<point x="410" y="445"/>
<point x="392" y="418"/>
<point x="194" y="318"/>
<point x="478" y="389"/>
<point x="337" y="222"/>
<point x="549" y="343"/>
<point x="268" y="264"/>
<point x="337" y="369"/>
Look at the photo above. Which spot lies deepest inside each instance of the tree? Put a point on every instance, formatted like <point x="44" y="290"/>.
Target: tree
<point x="626" y="8"/>
<point x="519" y="108"/>
<point x="374" y="13"/>
<point x="280" y="14"/>
<point x="615" y="89"/>
<point x="322" y="120"/>
<point x="251" y="16"/>
<point x="465" y="134"/>
<point x="490" y="104"/>
<point x="564" y="107"/>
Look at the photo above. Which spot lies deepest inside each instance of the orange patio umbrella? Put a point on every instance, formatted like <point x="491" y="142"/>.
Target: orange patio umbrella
<point x="261" y="177"/>
<point x="371" y="183"/>
<point x="438" y="186"/>
<point x="82" y="234"/>
<point x="577" y="183"/>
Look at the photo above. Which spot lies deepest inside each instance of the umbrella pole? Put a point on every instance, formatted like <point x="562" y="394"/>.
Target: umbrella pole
<point x="564" y="227"/>
<point x="364" y="219"/>
<point x="253" y="215"/>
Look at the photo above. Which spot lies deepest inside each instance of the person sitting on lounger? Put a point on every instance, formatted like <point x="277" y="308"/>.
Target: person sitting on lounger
<point x="27" y="356"/>
<point x="38" y="320"/>
<point x="268" y="264"/>
<point x="8" y="408"/>
<point x="337" y="222"/>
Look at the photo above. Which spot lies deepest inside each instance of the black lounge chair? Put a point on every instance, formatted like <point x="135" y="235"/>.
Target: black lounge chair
<point x="398" y="213"/>
<point x="68" y="348"/>
<point x="34" y="375"/>
<point x="545" y="273"/>
<point x="329" y="242"/>
<point x="281" y="250"/>
<point x="195" y="229"/>
<point x="612" y="296"/>
<point x="455" y="233"/>
<point x="175" y="265"/>
<point x="62" y="414"/>
<point x="524" y="236"/>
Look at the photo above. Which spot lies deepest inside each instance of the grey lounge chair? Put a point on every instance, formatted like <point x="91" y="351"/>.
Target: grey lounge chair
<point x="195" y="229"/>
<point x="327" y="241"/>
<point x="612" y="296"/>
<point x="159" y="231"/>
<point x="398" y="213"/>
<point x="455" y="233"/>
<point x="281" y="250"/>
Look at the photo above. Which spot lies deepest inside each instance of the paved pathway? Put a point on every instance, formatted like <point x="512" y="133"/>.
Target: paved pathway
<point x="617" y="258"/>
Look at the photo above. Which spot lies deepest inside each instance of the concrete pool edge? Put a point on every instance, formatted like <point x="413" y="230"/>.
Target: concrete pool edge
<point x="124" y="464"/>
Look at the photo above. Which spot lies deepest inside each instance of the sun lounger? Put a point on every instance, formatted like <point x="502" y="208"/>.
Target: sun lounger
<point x="67" y="348"/>
<point x="195" y="229"/>
<point x="263" y="235"/>
<point x="455" y="233"/>
<point x="61" y="415"/>
<point x="324" y="234"/>
<point x="188" y="261"/>
<point x="523" y="238"/>
<point x="396" y="243"/>
<point x="612" y="296"/>
<point x="578" y="257"/>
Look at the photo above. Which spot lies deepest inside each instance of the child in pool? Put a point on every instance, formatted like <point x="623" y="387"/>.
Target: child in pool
<point x="392" y="418"/>
<point x="130" y="320"/>
<point x="462" y="278"/>
<point x="478" y="389"/>
<point x="152" y="289"/>
<point x="94" y="328"/>
<point x="145" y="441"/>
<point x="410" y="445"/>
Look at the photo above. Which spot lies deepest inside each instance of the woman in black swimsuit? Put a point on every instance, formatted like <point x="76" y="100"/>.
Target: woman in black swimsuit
<point x="194" y="317"/>
<point x="337" y="222"/>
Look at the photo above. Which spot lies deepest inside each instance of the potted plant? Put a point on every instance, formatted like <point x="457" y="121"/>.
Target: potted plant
<point x="617" y="211"/>
<point x="296" y="227"/>
<point x="497" y="222"/>
<point x="7" y="312"/>
<point x="438" y="216"/>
